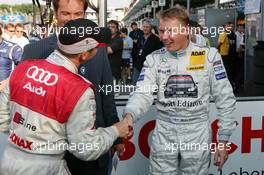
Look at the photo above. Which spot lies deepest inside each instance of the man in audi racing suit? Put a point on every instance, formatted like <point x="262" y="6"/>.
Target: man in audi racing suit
<point x="48" y="108"/>
<point x="185" y="76"/>
<point x="9" y="53"/>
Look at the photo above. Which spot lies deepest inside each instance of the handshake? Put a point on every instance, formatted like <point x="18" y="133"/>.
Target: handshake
<point x="125" y="127"/>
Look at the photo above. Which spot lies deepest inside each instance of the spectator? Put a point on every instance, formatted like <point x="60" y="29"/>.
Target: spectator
<point x="196" y="34"/>
<point x="34" y="34"/>
<point x="223" y="47"/>
<point x="126" y="55"/>
<point x="19" y="38"/>
<point x="96" y="70"/>
<point x="10" y="55"/>
<point x="9" y="32"/>
<point x="33" y="37"/>
<point x="240" y="37"/>
<point x="114" y="49"/>
<point x="135" y="34"/>
<point x="148" y="43"/>
<point x="232" y="55"/>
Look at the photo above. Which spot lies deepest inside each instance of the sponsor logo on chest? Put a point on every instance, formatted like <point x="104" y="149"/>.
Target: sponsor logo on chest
<point x="164" y="71"/>
<point x="220" y="76"/>
<point x="18" y="119"/>
<point x="36" y="90"/>
<point x="42" y="76"/>
<point x="20" y="142"/>
<point x="198" y="53"/>
<point x="197" y="61"/>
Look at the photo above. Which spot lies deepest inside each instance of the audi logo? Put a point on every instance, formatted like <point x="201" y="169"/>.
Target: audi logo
<point x="42" y="76"/>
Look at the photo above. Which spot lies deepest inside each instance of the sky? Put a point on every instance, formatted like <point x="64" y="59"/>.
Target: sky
<point x="111" y="3"/>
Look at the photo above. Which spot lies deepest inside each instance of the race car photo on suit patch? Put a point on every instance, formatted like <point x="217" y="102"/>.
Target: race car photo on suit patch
<point x="181" y="86"/>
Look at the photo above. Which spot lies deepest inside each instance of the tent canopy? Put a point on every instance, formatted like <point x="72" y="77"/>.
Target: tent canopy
<point x="142" y="3"/>
<point x="12" y="18"/>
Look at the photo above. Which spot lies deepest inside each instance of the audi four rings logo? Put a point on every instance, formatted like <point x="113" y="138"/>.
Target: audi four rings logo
<point x="42" y="76"/>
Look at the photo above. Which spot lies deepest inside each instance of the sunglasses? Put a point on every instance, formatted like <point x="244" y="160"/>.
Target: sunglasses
<point x="19" y="31"/>
<point x="11" y="31"/>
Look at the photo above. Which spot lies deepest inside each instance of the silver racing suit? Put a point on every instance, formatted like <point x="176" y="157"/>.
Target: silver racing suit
<point x="184" y="82"/>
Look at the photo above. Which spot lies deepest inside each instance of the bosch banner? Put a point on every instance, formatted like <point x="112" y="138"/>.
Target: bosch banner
<point x="246" y="155"/>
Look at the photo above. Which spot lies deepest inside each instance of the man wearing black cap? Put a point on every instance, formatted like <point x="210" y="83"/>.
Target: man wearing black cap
<point x="136" y="34"/>
<point x="96" y="70"/>
<point x="53" y="109"/>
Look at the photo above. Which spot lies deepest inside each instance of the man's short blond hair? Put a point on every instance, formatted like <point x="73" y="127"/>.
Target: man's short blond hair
<point x="19" y="25"/>
<point x="9" y="25"/>
<point x="178" y="12"/>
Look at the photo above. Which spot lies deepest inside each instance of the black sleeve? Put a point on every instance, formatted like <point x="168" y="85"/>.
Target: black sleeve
<point x="109" y="106"/>
<point x="28" y="53"/>
<point x="40" y="49"/>
<point x="156" y="44"/>
<point x="153" y="44"/>
<point x="116" y="44"/>
<point x="131" y="35"/>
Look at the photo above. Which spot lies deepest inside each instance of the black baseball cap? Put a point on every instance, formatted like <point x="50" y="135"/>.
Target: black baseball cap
<point x="124" y="30"/>
<point x="81" y="35"/>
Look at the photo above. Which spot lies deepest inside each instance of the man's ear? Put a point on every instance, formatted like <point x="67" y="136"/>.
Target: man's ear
<point x="87" y="55"/>
<point x="92" y="52"/>
<point x="83" y="56"/>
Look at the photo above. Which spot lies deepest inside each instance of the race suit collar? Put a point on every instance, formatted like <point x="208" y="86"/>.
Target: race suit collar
<point x="178" y="54"/>
<point x="181" y="53"/>
<point x="57" y="58"/>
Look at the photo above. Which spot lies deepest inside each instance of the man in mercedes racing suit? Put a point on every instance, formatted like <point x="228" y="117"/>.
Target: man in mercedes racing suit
<point x="185" y="76"/>
<point x="47" y="108"/>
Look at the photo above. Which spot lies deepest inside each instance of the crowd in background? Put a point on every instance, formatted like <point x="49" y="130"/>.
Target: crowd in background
<point x="16" y="34"/>
<point x="231" y="46"/>
<point x="128" y="51"/>
<point x="129" y="46"/>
